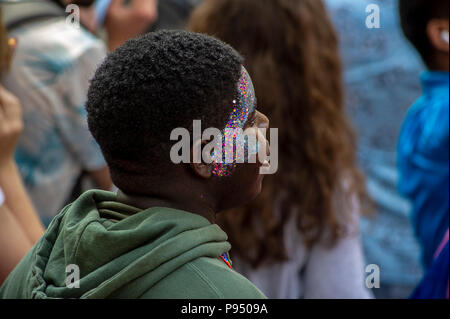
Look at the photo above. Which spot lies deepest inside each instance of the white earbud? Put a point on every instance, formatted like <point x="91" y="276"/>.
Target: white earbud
<point x="445" y="36"/>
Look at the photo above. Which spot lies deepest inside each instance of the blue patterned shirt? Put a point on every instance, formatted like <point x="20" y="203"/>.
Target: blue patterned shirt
<point x="50" y="74"/>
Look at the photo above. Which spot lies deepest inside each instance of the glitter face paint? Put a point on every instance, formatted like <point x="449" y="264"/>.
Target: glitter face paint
<point x="243" y="106"/>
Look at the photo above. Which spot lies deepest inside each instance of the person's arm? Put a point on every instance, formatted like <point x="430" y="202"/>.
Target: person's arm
<point x="127" y="21"/>
<point x="16" y="198"/>
<point x="14" y="243"/>
<point x="19" y="203"/>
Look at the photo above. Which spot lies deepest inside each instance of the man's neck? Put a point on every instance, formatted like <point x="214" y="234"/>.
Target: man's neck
<point x="198" y="206"/>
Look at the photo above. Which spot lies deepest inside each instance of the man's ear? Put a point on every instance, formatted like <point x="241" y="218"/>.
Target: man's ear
<point x="199" y="166"/>
<point x="437" y="29"/>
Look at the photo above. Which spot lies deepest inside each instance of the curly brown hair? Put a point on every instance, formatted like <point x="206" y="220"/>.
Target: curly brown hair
<point x="291" y="52"/>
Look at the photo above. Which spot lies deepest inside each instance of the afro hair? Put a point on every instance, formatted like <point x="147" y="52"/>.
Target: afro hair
<point x="154" y="84"/>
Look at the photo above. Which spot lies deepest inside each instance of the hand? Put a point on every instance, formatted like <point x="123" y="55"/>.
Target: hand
<point x="125" y="22"/>
<point x="11" y="124"/>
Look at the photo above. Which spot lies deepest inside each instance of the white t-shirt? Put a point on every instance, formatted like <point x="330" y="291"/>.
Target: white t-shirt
<point x="316" y="273"/>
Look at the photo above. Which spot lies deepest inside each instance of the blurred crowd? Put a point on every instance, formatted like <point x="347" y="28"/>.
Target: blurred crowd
<point x="363" y="127"/>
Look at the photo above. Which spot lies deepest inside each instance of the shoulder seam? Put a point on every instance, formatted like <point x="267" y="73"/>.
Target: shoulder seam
<point x="208" y="282"/>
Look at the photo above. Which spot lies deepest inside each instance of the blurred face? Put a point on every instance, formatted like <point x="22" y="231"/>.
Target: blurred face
<point x="438" y="34"/>
<point x="242" y="181"/>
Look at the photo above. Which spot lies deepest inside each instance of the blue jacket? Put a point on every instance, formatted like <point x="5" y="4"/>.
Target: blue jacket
<point x="423" y="159"/>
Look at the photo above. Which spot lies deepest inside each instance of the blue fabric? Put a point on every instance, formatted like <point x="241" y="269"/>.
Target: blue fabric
<point x="382" y="73"/>
<point x="435" y="283"/>
<point x="101" y="8"/>
<point x="51" y="76"/>
<point x="423" y="159"/>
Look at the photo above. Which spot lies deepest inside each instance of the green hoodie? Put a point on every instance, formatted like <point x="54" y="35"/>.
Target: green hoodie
<point x="125" y="252"/>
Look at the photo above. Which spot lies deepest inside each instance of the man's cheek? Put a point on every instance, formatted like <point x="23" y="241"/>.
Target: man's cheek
<point x="270" y="164"/>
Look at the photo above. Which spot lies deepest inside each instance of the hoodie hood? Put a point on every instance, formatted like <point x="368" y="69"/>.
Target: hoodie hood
<point x="121" y="251"/>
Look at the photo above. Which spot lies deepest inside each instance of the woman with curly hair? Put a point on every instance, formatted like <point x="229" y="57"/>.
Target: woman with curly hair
<point x="300" y="237"/>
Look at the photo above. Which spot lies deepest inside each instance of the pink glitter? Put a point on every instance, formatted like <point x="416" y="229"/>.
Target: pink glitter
<point x="239" y="116"/>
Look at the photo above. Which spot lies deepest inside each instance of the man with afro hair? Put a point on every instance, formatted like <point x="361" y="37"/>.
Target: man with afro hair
<point x="157" y="237"/>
